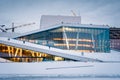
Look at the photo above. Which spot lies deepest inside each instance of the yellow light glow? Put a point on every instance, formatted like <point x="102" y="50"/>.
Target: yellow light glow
<point x="58" y="59"/>
<point x="71" y="39"/>
<point x="85" y="45"/>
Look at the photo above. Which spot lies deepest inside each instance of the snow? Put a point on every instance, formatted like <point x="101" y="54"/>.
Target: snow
<point x="113" y="56"/>
<point x="9" y="34"/>
<point x="63" y="68"/>
<point x="4" y="60"/>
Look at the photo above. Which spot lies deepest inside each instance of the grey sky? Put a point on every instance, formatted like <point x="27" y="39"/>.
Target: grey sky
<point x="91" y="11"/>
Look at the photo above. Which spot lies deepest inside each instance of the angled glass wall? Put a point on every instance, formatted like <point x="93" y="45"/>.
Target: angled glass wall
<point x="17" y="54"/>
<point x="83" y="39"/>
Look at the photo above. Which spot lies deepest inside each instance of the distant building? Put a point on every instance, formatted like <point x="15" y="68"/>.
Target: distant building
<point x="52" y="20"/>
<point x="115" y="38"/>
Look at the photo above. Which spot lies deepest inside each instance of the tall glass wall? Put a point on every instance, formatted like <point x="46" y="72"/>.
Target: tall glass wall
<point x="83" y="39"/>
<point x="86" y="39"/>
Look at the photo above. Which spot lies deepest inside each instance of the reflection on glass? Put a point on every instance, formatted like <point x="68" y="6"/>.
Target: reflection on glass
<point x="83" y="39"/>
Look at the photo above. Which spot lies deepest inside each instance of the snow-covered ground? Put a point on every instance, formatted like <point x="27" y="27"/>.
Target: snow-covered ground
<point x="62" y="68"/>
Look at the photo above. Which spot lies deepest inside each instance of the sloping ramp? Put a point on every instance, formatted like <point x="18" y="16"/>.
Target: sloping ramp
<point x="2" y="60"/>
<point x="45" y="49"/>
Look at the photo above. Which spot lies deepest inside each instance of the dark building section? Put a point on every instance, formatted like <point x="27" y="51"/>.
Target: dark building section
<point x="115" y="38"/>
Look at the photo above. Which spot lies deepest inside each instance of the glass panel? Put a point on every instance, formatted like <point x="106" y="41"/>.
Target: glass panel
<point x="82" y="39"/>
<point x="16" y="54"/>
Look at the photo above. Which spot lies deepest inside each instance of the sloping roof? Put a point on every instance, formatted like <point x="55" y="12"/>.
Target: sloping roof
<point x="9" y="34"/>
<point x="63" y="24"/>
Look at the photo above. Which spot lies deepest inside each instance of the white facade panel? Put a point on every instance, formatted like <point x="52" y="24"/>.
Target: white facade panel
<point x="51" y="20"/>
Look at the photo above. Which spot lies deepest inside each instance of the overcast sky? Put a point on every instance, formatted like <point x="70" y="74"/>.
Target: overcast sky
<point x="28" y="11"/>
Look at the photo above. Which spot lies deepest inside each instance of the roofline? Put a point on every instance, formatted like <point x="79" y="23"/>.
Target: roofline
<point x="63" y="24"/>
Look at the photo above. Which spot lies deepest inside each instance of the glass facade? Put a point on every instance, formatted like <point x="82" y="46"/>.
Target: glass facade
<point x="82" y="39"/>
<point x="16" y="54"/>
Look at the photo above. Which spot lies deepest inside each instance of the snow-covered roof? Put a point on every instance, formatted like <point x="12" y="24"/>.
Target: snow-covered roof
<point x="9" y="34"/>
<point x="65" y="25"/>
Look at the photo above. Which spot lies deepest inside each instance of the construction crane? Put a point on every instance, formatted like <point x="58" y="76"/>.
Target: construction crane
<point x="73" y="13"/>
<point x="13" y="27"/>
<point x="2" y="28"/>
